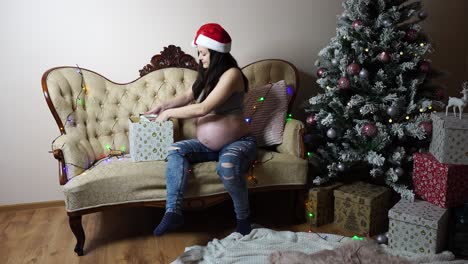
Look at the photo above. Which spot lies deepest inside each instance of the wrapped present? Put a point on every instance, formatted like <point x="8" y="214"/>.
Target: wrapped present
<point x="149" y="140"/>
<point x="320" y="204"/>
<point x="441" y="184"/>
<point x="449" y="139"/>
<point x="458" y="231"/>
<point x="362" y="208"/>
<point x="418" y="227"/>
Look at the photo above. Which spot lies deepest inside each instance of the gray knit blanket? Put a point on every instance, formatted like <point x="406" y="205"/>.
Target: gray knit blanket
<point x="264" y="245"/>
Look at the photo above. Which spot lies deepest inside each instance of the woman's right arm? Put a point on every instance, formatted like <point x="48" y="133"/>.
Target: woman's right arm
<point x="181" y="100"/>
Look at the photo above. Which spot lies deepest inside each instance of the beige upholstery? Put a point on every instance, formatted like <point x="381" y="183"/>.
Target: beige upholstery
<point x="292" y="143"/>
<point x="103" y="118"/>
<point x="117" y="181"/>
<point x="102" y="121"/>
<point x="270" y="71"/>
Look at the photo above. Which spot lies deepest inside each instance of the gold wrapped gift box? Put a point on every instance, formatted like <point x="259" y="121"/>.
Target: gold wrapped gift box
<point x="362" y="208"/>
<point x="319" y="204"/>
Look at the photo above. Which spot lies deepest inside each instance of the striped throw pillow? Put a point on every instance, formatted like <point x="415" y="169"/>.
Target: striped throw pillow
<point x="265" y="112"/>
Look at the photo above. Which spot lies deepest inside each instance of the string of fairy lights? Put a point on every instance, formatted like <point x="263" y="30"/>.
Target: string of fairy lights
<point x="311" y="215"/>
<point x="84" y="91"/>
<point x="81" y="102"/>
<point x="261" y="100"/>
<point x="251" y="176"/>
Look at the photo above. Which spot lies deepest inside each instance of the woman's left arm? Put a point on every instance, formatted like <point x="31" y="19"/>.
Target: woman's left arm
<point x="225" y="87"/>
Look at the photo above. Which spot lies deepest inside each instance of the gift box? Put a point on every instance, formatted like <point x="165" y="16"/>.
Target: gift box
<point x="417" y="227"/>
<point x="440" y="184"/>
<point x="149" y="140"/>
<point x="458" y="231"/>
<point x="449" y="139"/>
<point x="362" y="208"/>
<point x="320" y="204"/>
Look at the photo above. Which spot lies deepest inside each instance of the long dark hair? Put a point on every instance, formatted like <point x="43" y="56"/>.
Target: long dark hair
<point x="208" y="78"/>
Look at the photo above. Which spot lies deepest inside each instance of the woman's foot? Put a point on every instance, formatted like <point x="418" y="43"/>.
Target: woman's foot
<point x="170" y="221"/>
<point x="243" y="227"/>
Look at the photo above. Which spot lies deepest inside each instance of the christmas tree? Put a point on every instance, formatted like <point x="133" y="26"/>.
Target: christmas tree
<point x="374" y="110"/>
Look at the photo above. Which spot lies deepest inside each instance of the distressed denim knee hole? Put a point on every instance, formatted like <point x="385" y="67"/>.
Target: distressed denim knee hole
<point x="227" y="165"/>
<point x="228" y="177"/>
<point x="173" y="148"/>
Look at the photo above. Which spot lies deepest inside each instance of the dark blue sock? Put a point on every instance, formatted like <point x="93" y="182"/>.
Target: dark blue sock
<point x="243" y="226"/>
<point x="169" y="222"/>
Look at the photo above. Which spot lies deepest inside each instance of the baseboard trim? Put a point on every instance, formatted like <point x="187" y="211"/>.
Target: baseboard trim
<point x="26" y="206"/>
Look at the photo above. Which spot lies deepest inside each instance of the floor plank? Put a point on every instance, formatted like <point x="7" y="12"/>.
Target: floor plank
<point x="125" y="235"/>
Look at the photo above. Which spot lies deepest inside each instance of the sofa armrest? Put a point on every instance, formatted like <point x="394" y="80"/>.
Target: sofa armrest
<point x="293" y="143"/>
<point x="75" y="155"/>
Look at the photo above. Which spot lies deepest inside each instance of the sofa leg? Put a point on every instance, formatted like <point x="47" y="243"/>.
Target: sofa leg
<point x="77" y="229"/>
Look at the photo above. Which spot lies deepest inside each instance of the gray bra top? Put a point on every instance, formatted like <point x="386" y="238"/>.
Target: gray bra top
<point x="233" y="105"/>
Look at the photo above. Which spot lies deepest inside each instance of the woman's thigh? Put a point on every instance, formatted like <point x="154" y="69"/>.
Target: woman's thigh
<point x="194" y="150"/>
<point x="236" y="157"/>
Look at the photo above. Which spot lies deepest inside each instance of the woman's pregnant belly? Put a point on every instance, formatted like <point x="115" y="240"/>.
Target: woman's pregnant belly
<point x="215" y="131"/>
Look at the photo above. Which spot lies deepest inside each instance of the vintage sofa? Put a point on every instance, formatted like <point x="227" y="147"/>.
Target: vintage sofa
<point x="92" y="114"/>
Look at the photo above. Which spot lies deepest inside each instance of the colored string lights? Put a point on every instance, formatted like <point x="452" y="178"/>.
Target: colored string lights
<point x="261" y="100"/>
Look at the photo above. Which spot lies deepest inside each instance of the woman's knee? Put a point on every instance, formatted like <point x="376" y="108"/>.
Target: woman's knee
<point x="176" y="148"/>
<point x="173" y="149"/>
<point x="228" y="168"/>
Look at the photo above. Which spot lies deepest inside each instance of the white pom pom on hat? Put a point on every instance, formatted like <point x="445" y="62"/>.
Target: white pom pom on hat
<point x="214" y="37"/>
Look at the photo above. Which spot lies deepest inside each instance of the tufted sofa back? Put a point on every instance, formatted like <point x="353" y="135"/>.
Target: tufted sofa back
<point x="270" y="71"/>
<point x="100" y="112"/>
<point x="96" y="110"/>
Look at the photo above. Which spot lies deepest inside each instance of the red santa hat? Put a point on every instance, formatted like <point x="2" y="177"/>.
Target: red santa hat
<point x="214" y="37"/>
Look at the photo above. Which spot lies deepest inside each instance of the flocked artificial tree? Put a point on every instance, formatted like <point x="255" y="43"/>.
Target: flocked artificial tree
<point x="374" y="108"/>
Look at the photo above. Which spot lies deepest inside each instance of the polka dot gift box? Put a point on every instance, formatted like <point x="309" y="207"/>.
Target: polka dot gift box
<point x="149" y="140"/>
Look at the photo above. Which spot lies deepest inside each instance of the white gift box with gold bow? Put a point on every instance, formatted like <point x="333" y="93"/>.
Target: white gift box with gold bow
<point x="149" y="140"/>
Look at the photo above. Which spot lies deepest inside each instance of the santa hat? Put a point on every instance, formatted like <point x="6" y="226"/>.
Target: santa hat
<point x="214" y="37"/>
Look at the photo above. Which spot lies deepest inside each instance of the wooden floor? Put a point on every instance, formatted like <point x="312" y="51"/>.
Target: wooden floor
<point x="125" y="236"/>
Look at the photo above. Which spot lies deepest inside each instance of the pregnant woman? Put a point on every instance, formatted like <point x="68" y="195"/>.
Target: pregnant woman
<point x="222" y="133"/>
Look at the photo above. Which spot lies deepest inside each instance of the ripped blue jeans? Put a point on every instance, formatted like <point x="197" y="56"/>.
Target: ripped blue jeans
<point x="234" y="160"/>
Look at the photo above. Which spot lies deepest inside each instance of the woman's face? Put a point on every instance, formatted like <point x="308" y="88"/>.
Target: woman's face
<point x="204" y="56"/>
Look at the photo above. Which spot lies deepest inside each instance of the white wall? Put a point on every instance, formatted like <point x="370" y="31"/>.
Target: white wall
<point x="117" y="38"/>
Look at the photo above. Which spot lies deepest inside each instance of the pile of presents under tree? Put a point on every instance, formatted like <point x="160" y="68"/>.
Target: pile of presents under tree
<point x="438" y="218"/>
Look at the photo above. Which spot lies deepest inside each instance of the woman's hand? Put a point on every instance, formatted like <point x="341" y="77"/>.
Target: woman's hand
<point x="163" y="116"/>
<point x="155" y="111"/>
